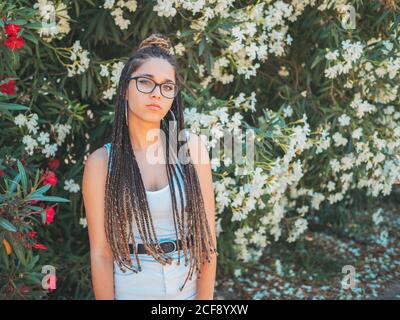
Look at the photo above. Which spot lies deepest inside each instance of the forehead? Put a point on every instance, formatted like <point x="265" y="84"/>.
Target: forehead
<point x="159" y="69"/>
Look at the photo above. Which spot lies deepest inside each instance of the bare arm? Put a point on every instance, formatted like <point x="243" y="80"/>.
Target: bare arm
<point x="101" y="257"/>
<point x="199" y="155"/>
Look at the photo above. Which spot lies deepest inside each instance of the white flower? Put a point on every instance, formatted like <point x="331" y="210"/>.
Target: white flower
<point x="316" y="200"/>
<point x="109" y="93"/>
<point x="83" y="222"/>
<point x="49" y="150"/>
<point x="179" y="49"/>
<point x="362" y="107"/>
<point x="238" y="273"/>
<point x="335" y="165"/>
<point x="54" y="20"/>
<point x="30" y="144"/>
<point x="344" y="120"/>
<point x="20" y="120"/>
<point x="164" y="8"/>
<point x="71" y="186"/>
<point x="79" y="58"/>
<point x="339" y="139"/>
<point x="43" y="138"/>
<point x="332" y="55"/>
<point x="108" y="4"/>
<point x="131" y="5"/>
<point x="376" y="217"/>
<point x="32" y="123"/>
<point x="104" y="71"/>
<point x="331" y="186"/>
<point x="283" y="72"/>
<point x="356" y="134"/>
<point x="287" y="111"/>
<point x="62" y="131"/>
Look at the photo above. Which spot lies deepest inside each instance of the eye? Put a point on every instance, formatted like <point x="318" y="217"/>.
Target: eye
<point x="168" y="87"/>
<point x="144" y="81"/>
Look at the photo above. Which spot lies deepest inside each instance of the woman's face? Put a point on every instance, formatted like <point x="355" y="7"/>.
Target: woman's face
<point x="160" y="71"/>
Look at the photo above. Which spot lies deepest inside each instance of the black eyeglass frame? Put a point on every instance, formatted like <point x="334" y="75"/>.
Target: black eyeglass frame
<point x="156" y="84"/>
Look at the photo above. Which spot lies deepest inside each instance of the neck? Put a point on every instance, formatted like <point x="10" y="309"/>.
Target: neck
<point x="143" y="134"/>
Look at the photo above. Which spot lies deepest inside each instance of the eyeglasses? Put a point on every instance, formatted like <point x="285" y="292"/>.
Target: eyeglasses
<point x="147" y="85"/>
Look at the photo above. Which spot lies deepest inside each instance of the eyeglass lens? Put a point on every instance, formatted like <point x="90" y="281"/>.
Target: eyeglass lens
<point x="147" y="85"/>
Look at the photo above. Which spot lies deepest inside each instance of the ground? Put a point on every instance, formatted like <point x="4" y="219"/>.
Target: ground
<point x="312" y="268"/>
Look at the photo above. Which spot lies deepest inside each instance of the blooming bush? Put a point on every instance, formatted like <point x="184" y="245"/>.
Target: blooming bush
<point x="23" y="207"/>
<point x="320" y="96"/>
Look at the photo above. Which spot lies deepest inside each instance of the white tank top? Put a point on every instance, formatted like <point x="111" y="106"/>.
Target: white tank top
<point x="160" y="206"/>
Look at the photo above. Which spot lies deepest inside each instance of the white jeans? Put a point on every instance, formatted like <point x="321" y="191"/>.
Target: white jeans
<point x="155" y="281"/>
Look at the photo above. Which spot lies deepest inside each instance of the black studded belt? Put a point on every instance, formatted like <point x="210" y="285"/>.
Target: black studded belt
<point x="166" y="246"/>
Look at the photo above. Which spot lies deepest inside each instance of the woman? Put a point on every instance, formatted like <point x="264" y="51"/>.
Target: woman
<point x="145" y="243"/>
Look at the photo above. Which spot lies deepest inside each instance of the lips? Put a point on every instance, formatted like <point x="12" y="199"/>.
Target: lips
<point x="153" y="106"/>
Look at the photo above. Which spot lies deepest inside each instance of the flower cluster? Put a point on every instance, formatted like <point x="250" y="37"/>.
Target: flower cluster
<point x="34" y="139"/>
<point x="54" y="19"/>
<point x="117" y="11"/>
<point x="343" y="60"/>
<point x="80" y="59"/>
<point x="13" y="41"/>
<point x="259" y="30"/>
<point x="112" y="72"/>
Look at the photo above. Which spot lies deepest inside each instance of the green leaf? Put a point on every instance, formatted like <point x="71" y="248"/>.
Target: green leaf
<point x="19" y="252"/>
<point x="316" y="61"/>
<point x="35" y="208"/>
<point x="201" y="46"/>
<point x="19" y="22"/>
<point x="32" y="263"/>
<point x="41" y="190"/>
<point x="37" y="178"/>
<point x="24" y="180"/>
<point x="31" y="38"/>
<point x="12" y="106"/>
<point x="34" y="25"/>
<point x="14" y="183"/>
<point x="5" y="224"/>
<point x="47" y="198"/>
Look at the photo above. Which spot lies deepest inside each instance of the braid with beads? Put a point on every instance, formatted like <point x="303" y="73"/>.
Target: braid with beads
<point x="125" y="196"/>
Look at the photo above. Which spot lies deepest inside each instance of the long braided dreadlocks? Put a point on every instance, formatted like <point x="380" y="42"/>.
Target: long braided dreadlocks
<point x="125" y="196"/>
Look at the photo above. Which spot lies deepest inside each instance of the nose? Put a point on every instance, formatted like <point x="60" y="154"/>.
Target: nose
<point x="155" y="90"/>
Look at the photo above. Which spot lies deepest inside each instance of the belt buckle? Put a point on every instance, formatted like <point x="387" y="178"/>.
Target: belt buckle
<point x="173" y="243"/>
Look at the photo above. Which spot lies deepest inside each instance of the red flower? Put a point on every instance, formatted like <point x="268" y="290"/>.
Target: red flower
<point x="8" y="87"/>
<point x="34" y="201"/>
<point x="39" y="246"/>
<point x="54" y="163"/>
<point x="12" y="29"/>
<point x="1" y="173"/>
<point x="14" y="42"/>
<point x="32" y="234"/>
<point x="50" y="178"/>
<point x="50" y="215"/>
<point x="23" y="161"/>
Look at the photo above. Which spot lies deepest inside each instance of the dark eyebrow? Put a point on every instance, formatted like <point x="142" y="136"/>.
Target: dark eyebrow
<point x="151" y="76"/>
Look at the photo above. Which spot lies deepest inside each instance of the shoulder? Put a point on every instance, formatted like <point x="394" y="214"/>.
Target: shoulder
<point x="198" y="149"/>
<point x="95" y="167"/>
<point x="98" y="157"/>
